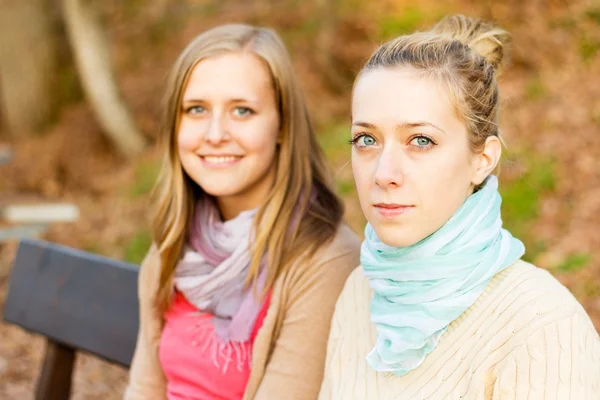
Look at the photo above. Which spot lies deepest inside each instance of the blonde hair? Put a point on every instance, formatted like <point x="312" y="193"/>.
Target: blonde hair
<point x="301" y="211"/>
<point x="464" y="53"/>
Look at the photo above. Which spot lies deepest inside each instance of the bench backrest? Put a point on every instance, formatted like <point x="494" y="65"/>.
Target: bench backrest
<point x="74" y="298"/>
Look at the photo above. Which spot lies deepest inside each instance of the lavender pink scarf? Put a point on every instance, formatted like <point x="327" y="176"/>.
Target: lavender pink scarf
<point x="214" y="267"/>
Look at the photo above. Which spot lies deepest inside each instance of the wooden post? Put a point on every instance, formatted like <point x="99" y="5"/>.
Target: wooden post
<point x="5" y="155"/>
<point x="55" y="379"/>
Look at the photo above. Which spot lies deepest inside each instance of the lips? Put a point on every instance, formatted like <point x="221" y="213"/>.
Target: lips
<point x="390" y="210"/>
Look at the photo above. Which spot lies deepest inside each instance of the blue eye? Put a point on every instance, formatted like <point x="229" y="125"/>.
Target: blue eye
<point x="363" y="140"/>
<point x="195" y="110"/>
<point x="242" y="111"/>
<point x="421" y="141"/>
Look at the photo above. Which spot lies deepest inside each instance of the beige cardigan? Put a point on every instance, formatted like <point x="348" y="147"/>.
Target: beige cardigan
<point x="289" y="351"/>
<point x="526" y="337"/>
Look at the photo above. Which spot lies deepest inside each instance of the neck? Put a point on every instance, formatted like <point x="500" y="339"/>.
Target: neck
<point x="251" y="198"/>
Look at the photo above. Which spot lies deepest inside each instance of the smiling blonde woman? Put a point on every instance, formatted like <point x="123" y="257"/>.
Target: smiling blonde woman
<point x="442" y="306"/>
<point x="236" y="296"/>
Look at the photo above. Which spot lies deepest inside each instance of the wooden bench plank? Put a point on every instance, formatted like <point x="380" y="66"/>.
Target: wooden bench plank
<point x="39" y="213"/>
<point x="75" y="298"/>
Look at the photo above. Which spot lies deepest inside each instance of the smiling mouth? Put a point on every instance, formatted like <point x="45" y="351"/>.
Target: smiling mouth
<point x="220" y="160"/>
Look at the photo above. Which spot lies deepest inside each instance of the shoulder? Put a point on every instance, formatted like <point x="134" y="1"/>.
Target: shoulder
<point x="529" y="299"/>
<point x="330" y="264"/>
<point x="356" y="294"/>
<point x="542" y="290"/>
<point x="547" y="334"/>
<point x="357" y="285"/>
<point x="344" y="241"/>
<point x="341" y="254"/>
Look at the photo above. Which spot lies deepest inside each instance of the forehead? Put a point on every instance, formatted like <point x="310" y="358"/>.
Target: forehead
<point x="232" y="74"/>
<point x="386" y="95"/>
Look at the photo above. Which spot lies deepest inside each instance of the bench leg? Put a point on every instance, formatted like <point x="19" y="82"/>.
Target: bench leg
<point x="54" y="382"/>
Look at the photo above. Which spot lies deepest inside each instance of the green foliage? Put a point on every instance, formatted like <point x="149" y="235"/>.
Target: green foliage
<point x="567" y="23"/>
<point x="588" y="47"/>
<point x="69" y="89"/>
<point x="334" y="141"/>
<point x="146" y="174"/>
<point x="574" y="262"/>
<point x="596" y="117"/>
<point x="137" y="247"/>
<point x="591" y="289"/>
<point x="93" y="247"/>
<point x="533" y="247"/>
<point x="594" y="14"/>
<point x="132" y="8"/>
<point x="404" y="22"/>
<point x="521" y="196"/>
<point x="205" y="9"/>
<point x="521" y="201"/>
<point x="535" y="89"/>
<point x="162" y="29"/>
<point x="345" y="187"/>
<point x="304" y="30"/>
<point x="309" y="26"/>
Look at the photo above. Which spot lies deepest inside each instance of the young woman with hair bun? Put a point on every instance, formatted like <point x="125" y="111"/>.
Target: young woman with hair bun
<point x="442" y="306"/>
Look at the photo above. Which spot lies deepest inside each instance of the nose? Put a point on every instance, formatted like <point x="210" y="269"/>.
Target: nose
<point x="216" y="132"/>
<point x="389" y="172"/>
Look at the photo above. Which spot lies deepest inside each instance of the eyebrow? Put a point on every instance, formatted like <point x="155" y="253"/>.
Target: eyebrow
<point x="237" y="100"/>
<point x="417" y="124"/>
<point x="402" y="126"/>
<point x="364" y="125"/>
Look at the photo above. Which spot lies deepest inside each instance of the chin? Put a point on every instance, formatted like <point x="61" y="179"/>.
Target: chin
<point x="218" y="189"/>
<point x="395" y="237"/>
<point x="219" y="192"/>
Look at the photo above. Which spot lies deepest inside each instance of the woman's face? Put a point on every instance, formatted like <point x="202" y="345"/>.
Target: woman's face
<point x="228" y="131"/>
<point x="411" y="159"/>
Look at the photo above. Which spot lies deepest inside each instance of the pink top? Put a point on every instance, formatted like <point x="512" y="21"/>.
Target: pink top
<point x="196" y="362"/>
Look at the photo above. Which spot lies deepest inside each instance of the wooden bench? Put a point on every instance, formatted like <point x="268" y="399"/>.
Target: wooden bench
<point x="78" y="301"/>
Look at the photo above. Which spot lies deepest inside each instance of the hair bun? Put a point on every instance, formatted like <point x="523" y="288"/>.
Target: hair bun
<point x="484" y="38"/>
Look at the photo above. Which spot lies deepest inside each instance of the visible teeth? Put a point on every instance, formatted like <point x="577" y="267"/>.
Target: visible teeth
<point x="220" y="159"/>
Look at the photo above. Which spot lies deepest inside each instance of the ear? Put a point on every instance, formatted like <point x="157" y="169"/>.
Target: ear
<point x="485" y="162"/>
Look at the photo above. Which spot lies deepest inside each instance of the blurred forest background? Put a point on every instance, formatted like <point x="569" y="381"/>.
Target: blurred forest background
<point x="82" y="81"/>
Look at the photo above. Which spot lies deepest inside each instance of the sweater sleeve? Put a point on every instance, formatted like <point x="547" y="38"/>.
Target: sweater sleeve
<point x="146" y="378"/>
<point x="295" y="368"/>
<point x="559" y="361"/>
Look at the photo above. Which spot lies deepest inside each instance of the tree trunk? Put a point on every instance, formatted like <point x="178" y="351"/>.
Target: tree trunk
<point x="325" y="42"/>
<point x="92" y="58"/>
<point x="28" y="64"/>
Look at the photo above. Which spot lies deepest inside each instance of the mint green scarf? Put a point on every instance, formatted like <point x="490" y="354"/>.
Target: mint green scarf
<point x="419" y="290"/>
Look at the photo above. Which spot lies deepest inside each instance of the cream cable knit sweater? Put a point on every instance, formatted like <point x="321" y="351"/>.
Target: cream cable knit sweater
<point x="526" y="337"/>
